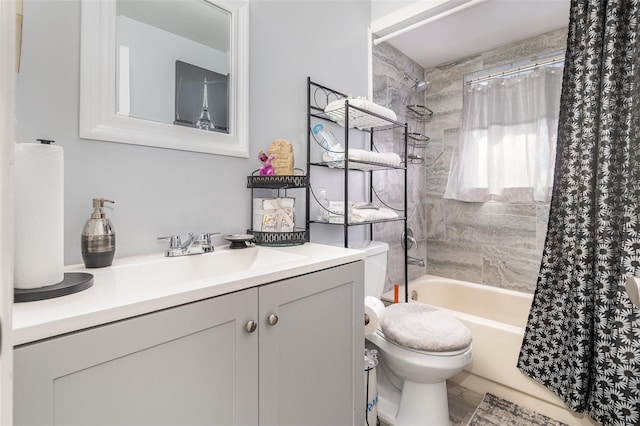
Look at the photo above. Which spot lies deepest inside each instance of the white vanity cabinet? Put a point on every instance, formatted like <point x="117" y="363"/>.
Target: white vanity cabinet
<point x="192" y="364"/>
<point x="312" y="359"/>
<point x="200" y="363"/>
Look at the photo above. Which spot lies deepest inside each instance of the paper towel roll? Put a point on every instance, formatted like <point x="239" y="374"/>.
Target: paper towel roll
<point x="39" y="215"/>
<point x="373" y="309"/>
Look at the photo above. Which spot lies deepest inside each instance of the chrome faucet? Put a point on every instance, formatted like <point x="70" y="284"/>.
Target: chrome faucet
<point x="193" y="245"/>
<point x="408" y="241"/>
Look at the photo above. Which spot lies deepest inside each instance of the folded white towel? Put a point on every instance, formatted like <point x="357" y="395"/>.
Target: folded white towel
<point x="384" y="158"/>
<point x="367" y="215"/>
<point x="357" y="118"/>
<point x="387" y="158"/>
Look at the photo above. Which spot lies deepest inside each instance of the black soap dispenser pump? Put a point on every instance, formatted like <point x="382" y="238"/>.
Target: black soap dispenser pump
<point x="98" y="241"/>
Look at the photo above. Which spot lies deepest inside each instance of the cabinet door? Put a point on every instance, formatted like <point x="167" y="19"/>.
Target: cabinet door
<point x="312" y="358"/>
<point x="191" y="365"/>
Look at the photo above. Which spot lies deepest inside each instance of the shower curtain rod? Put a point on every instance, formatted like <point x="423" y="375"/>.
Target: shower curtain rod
<point x="430" y="19"/>
<point x="556" y="59"/>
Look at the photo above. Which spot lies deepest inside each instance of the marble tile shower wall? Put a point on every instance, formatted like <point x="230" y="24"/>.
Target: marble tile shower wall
<point x="493" y="244"/>
<point x="392" y="90"/>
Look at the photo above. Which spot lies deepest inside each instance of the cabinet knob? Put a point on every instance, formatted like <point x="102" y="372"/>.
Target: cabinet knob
<point x="272" y="319"/>
<point x="251" y="326"/>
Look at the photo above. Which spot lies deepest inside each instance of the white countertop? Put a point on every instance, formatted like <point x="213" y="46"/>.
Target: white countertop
<point x="142" y="284"/>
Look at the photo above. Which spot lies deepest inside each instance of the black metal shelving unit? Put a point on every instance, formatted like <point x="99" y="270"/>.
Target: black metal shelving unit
<point x="318" y="96"/>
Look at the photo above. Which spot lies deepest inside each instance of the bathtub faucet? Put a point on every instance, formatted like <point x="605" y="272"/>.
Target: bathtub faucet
<point x="415" y="261"/>
<point x="408" y="241"/>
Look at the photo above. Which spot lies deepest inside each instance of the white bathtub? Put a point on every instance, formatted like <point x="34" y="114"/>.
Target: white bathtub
<point x="497" y="319"/>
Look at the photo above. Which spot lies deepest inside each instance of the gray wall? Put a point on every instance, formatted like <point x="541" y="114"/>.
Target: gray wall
<point x="160" y="192"/>
<point x="493" y="243"/>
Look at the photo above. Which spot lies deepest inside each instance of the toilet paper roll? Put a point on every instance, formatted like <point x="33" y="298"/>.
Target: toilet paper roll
<point x="39" y="215"/>
<point x="633" y="290"/>
<point x="373" y="310"/>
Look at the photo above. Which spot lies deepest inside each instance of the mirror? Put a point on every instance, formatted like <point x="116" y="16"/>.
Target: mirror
<point x="170" y="74"/>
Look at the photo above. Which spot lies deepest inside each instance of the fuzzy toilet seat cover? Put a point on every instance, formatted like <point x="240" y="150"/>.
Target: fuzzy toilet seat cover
<point x="424" y="328"/>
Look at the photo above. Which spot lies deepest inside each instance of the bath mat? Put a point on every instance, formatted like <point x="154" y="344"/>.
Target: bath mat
<point x="495" y="411"/>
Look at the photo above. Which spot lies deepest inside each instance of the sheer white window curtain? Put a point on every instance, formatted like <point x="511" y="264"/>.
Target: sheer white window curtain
<point x="507" y="145"/>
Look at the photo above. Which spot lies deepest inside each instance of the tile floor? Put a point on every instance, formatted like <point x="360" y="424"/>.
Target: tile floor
<point x="462" y="403"/>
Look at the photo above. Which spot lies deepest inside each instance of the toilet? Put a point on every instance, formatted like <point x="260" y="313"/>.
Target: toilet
<point x="419" y="348"/>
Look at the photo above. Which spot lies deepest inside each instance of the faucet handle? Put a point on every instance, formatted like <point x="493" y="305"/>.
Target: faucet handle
<point x="205" y="241"/>
<point x="174" y="241"/>
<point x="205" y="237"/>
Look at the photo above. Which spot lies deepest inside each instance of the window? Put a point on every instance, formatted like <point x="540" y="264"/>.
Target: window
<point x="507" y="145"/>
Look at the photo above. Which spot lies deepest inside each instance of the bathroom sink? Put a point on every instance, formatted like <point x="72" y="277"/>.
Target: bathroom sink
<point x="222" y="263"/>
<point x="138" y="285"/>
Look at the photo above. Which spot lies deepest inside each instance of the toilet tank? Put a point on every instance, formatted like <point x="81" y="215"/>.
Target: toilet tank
<point x="375" y="266"/>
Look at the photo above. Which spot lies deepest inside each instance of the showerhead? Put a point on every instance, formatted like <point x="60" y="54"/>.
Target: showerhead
<point x="418" y="85"/>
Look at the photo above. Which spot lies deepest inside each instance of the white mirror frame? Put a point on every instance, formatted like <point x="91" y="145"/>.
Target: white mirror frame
<point x="98" y="119"/>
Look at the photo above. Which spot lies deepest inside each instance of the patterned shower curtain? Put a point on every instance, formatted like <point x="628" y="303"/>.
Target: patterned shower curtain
<point x="583" y="334"/>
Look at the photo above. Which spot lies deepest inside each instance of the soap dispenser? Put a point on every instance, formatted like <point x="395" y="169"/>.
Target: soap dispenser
<point x="98" y="242"/>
